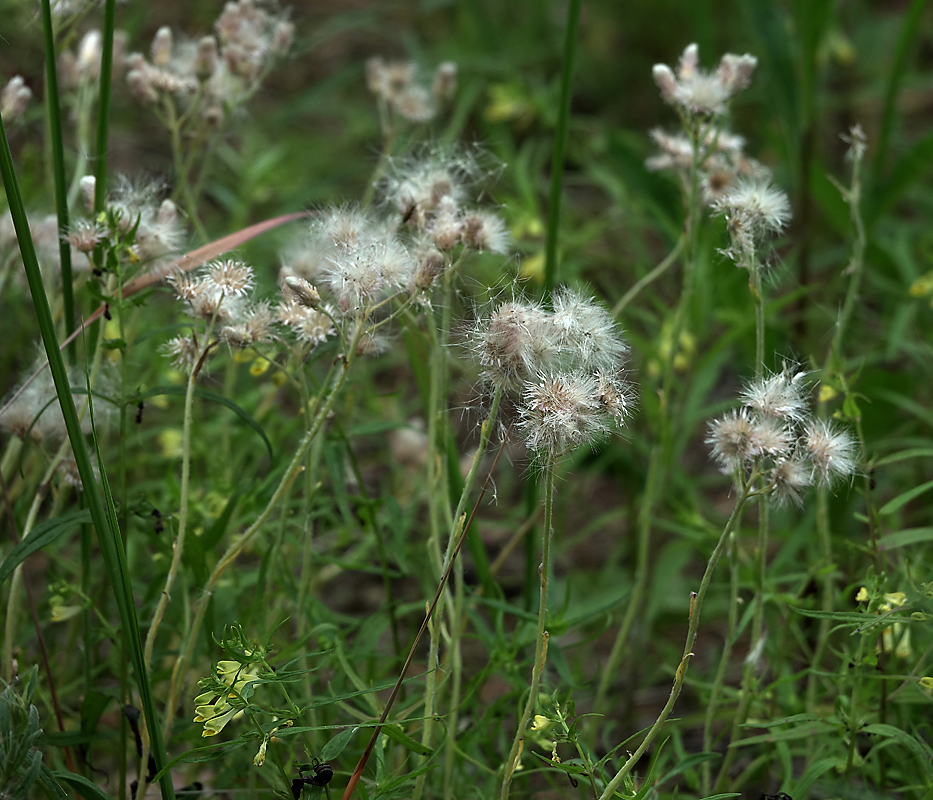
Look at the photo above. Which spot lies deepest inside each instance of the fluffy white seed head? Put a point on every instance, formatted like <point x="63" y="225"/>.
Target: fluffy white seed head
<point x="517" y="341"/>
<point x="788" y="479"/>
<point x="560" y="412"/>
<point x="832" y="451"/>
<point x="755" y="206"/>
<point x="589" y="336"/>
<point x="698" y="91"/>
<point x="484" y="230"/>
<point x="230" y="276"/>
<point x="779" y="396"/>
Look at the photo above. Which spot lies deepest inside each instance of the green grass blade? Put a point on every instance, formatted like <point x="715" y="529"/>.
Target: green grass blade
<point x="560" y="146"/>
<point x="103" y="108"/>
<point x="58" y="167"/>
<point x="108" y="535"/>
<point x="909" y="31"/>
<point x="41" y="535"/>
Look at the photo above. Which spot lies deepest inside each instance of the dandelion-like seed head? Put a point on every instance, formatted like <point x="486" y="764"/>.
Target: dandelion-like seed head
<point x="487" y="231"/>
<point x="516" y="342"/>
<point x="254" y="327"/>
<point x="778" y="396"/>
<point x="560" y="412"/>
<point x="832" y="451"/>
<point x="731" y="438"/>
<point x="230" y="277"/>
<point x="754" y="208"/>
<point x="84" y="235"/>
<point x="615" y="396"/>
<point x="183" y="350"/>
<point x="358" y="275"/>
<point x="588" y="333"/>
<point x="788" y="479"/>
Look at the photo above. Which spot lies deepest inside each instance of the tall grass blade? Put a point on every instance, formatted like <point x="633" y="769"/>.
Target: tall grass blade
<point x="107" y="533"/>
<point x="560" y="146"/>
<point x="58" y="166"/>
<point x="103" y="109"/>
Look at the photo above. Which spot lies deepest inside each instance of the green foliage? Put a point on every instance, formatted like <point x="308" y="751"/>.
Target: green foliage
<point x="279" y="481"/>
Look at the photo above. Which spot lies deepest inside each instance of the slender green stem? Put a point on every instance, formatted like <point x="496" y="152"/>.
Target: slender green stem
<point x="719" y="678"/>
<point x="180" y="671"/>
<point x="651" y="277"/>
<point x="103" y="108"/>
<point x="749" y="680"/>
<point x="541" y="635"/>
<point x="456" y="535"/>
<point x="181" y="175"/>
<point x="696" y="605"/>
<point x="853" y="723"/>
<point x="662" y="451"/>
<point x="58" y="169"/>
<point x="561" y="132"/>
<point x="104" y="518"/>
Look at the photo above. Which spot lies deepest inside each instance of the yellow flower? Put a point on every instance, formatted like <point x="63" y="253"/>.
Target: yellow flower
<point x="260" y="365"/>
<point x="862" y="596"/>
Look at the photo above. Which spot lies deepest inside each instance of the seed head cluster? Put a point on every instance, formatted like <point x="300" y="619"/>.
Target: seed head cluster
<point x="395" y="84"/>
<point x="565" y="366"/>
<point x="216" y="73"/>
<point x="697" y="91"/>
<point x="774" y="432"/>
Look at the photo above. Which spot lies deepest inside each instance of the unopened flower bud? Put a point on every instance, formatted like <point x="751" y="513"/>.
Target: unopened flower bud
<point x="168" y="213"/>
<point x="445" y="81"/>
<point x="14" y="98"/>
<point x="89" y="54"/>
<point x="141" y="86"/>
<point x="305" y="293"/>
<point x="667" y="83"/>
<point x="430" y="266"/>
<point x="282" y="37"/>
<point x="88" y="186"/>
<point x="162" y="45"/>
<point x="205" y="59"/>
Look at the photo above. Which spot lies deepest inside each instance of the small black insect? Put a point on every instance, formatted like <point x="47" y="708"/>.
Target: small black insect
<point x="778" y="796"/>
<point x="107" y="311"/>
<point x="139" y="412"/>
<point x="321" y="777"/>
<point x="159" y="522"/>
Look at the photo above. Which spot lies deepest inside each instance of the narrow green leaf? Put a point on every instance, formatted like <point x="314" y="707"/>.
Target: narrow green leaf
<point x="52" y="787"/>
<point x="81" y="785"/>
<point x="804" y="731"/>
<point x="903" y="499"/>
<point x="920" y="749"/>
<point x="898" y="61"/>
<point x="905" y="538"/>
<point x="41" y="535"/>
<point x="904" y="455"/>
<point x="58" y="164"/>
<point x="395" y="732"/>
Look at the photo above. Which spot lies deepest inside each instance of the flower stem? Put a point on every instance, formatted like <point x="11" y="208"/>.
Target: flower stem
<point x="696" y="604"/>
<point x="541" y="637"/>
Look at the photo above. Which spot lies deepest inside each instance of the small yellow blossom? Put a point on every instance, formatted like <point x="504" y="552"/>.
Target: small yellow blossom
<point x="827" y="393"/>
<point x="260" y="366"/>
<point x="541" y="723"/>
<point x="170" y="442"/>
<point x="862" y="596"/>
<point x="533" y="268"/>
